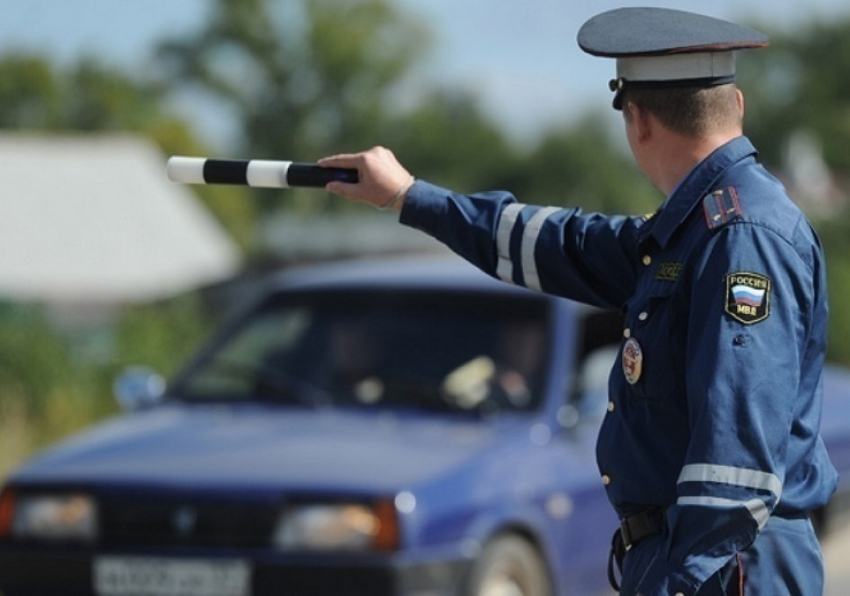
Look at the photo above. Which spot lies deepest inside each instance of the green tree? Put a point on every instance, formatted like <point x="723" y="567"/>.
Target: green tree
<point x="587" y="166"/>
<point x="33" y="359"/>
<point x="161" y="336"/>
<point x="798" y="85"/>
<point x="303" y="78"/>
<point x="835" y="234"/>
<point x="449" y="140"/>
<point x="30" y="95"/>
<point x="87" y="97"/>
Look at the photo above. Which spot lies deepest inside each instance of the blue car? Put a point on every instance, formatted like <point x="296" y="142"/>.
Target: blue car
<point x="378" y="428"/>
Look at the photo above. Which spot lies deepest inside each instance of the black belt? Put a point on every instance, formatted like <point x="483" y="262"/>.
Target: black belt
<point x="633" y="529"/>
<point x="640" y="525"/>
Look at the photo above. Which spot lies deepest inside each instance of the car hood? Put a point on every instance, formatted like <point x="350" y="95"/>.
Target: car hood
<point x="252" y="446"/>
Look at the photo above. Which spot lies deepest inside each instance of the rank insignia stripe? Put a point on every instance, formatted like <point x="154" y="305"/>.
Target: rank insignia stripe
<point x="747" y="297"/>
<point x="721" y="207"/>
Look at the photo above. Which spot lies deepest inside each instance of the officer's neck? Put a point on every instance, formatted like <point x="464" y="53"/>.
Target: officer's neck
<point x="675" y="155"/>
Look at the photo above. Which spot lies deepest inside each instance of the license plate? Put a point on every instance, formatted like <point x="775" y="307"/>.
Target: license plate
<point x="149" y="576"/>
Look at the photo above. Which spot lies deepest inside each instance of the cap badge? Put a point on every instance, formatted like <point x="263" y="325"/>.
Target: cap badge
<point x="632" y="361"/>
<point x="616" y="84"/>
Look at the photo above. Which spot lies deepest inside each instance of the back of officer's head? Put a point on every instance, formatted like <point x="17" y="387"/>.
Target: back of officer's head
<point x="678" y="66"/>
<point x="692" y="112"/>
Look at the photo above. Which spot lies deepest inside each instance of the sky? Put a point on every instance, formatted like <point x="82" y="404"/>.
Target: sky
<point x="519" y="57"/>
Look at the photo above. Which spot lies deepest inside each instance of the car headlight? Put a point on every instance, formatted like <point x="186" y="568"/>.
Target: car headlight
<point x="338" y="526"/>
<point x="69" y="516"/>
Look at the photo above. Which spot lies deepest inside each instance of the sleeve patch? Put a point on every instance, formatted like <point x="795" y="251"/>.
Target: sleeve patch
<point x="747" y="297"/>
<point x="721" y="207"/>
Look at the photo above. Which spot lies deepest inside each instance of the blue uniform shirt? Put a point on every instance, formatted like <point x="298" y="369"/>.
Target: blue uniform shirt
<point x="716" y="396"/>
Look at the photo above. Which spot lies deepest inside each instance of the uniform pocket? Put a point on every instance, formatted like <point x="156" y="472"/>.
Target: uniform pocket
<point x="652" y="352"/>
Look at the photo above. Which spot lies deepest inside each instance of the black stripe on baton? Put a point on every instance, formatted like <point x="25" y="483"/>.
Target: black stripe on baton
<point x="226" y="171"/>
<point x="235" y="171"/>
<point x="311" y="175"/>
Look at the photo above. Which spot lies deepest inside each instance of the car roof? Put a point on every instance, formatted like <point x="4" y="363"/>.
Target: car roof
<point x="407" y="272"/>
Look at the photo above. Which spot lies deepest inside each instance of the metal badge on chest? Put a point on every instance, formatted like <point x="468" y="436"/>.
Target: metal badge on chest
<point x="632" y="361"/>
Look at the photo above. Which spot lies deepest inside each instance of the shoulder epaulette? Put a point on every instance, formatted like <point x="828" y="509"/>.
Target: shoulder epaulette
<point x="721" y="207"/>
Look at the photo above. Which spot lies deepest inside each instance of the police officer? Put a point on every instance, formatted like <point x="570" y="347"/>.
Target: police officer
<point x="710" y="451"/>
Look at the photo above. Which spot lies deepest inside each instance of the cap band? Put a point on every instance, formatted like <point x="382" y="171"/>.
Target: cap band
<point x="675" y="67"/>
<point x="618" y="86"/>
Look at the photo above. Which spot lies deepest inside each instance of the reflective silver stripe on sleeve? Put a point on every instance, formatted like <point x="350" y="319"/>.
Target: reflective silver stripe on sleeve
<point x="529" y="242"/>
<point x="730" y="475"/>
<point x="757" y="508"/>
<point x="505" y="267"/>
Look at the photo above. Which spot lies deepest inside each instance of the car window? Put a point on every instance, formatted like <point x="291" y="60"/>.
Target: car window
<point x="598" y="350"/>
<point x="428" y="350"/>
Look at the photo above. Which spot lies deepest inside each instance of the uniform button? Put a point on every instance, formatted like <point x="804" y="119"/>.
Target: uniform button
<point x="646" y="260"/>
<point x="627" y="333"/>
<point x="643" y="316"/>
<point x="610" y="406"/>
<point x="606" y="479"/>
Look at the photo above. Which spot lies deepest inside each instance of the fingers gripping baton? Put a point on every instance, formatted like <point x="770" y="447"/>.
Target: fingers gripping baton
<point x="254" y="172"/>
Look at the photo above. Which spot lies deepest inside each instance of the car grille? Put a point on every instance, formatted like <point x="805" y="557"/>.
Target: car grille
<point x="185" y="523"/>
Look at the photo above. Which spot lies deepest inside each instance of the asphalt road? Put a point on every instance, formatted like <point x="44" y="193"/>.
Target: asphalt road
<point x="836" y="554"/>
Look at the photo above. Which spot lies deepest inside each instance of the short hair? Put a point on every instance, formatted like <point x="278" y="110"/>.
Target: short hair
<point x="690" y="111"/>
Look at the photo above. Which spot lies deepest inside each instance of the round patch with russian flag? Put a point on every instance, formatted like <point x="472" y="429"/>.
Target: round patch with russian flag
<point x="747" y="297"/>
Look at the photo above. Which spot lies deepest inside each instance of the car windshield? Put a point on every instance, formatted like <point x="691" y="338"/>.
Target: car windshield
<point x="430" y="350"/>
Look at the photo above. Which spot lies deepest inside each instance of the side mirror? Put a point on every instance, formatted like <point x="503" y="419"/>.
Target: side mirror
<point x="137" y="388"/>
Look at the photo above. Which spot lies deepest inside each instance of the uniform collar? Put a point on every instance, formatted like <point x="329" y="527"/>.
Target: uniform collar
<point x="693" y="187"/>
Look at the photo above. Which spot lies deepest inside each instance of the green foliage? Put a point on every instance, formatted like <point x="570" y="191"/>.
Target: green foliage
<point x="55" y="378"/>
<point x="35" y="95"/>
<point x="584" y="167"/>
<point x="835" y="235"/>
<point x="30" y="96"/>
<point x="45" y="390"/>
<point x="447" y="139"/>
<point x="100" y="99"/>
<point x="33" y="359"/>
<point x="799" y="84"/>
<point x="304" y="77"/>
<point x="161" y="336"/>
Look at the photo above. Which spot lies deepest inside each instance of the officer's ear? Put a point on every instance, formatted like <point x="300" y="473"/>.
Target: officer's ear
<point x="641" y="121"/>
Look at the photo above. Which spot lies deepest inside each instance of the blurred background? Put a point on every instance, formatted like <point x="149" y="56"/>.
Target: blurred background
<point x="104" y="264"/>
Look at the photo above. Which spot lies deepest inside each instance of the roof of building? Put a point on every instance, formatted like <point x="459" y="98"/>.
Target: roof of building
<point x="93" y="219"/>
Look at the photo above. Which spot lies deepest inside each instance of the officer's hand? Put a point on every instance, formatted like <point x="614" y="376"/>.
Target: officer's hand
<point x="384" y="182"/>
